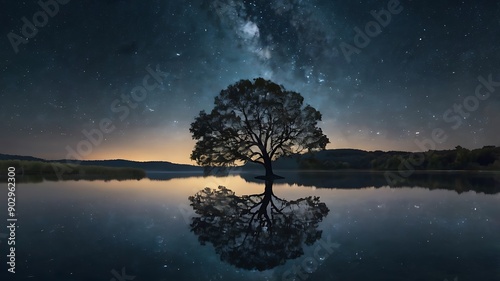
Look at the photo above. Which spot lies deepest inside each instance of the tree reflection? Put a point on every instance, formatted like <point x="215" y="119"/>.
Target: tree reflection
<point x="259" y="231"/>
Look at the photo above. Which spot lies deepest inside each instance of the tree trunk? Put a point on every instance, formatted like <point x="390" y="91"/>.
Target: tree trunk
<point x="268" y="165"/>
<point x="269" y="168"/>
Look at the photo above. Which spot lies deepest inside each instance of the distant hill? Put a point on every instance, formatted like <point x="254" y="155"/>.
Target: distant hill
<point x="19" y="157"/>
<point x="486" y="158"/>
<point x="147" y="166"/>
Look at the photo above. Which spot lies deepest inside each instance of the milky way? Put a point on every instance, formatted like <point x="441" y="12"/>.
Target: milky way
<point x="414" y="72"/>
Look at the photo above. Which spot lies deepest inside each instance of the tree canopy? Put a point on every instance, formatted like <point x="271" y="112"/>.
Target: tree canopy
<point x="256" y="122"/>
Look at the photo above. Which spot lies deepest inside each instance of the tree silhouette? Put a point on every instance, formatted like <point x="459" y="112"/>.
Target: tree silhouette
<point x="259" y="231"/>
<point x="256" y="122"/>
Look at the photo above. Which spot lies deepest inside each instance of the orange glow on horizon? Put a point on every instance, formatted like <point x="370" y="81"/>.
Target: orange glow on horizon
<point x="158" y="145"/>
<point x="147" y="146"/>
<point x="180" y="151"/>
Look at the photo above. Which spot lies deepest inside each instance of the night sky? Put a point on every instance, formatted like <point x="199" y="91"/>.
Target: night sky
<point x="416" y="76"/>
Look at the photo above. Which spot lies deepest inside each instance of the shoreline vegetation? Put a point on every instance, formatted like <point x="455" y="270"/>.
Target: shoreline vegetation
<point x="480" y="181"/>
<point x="458" y="159"/>
<point x="483" y="159"/>
<point x="40" y="171"/>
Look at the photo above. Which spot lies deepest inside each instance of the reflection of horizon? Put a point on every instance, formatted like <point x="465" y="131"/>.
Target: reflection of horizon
<point x="480" y="182"/>
<point x="458" y="181"/>
<point x="259" y="231"/>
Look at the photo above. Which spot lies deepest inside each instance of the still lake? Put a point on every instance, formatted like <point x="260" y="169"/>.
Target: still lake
<point x="169" y="227"/>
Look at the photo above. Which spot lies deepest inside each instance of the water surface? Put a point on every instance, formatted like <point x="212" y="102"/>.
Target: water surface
<point x="143" y="230"/>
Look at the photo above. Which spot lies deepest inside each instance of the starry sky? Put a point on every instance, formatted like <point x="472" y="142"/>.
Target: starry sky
<point x="417" y="72"/>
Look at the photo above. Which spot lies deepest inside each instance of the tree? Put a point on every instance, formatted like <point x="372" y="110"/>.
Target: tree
<point x="259" y="231"/>
<point x="256" y="122"/>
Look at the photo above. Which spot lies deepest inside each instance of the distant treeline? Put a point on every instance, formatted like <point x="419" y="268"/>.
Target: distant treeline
<point x="486" y="158"/>
<point x="61" y="171"/>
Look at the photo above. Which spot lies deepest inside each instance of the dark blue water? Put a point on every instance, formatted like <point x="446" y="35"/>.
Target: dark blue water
<point x="172" y="230"/>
